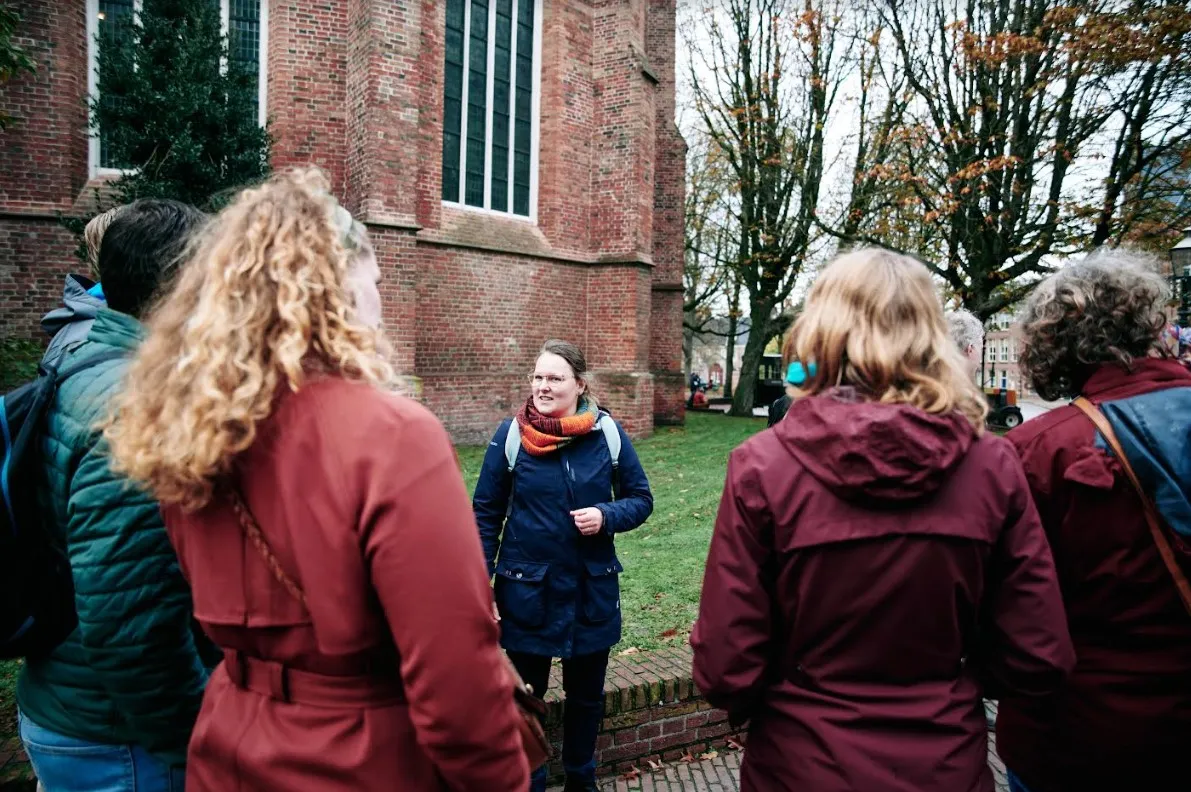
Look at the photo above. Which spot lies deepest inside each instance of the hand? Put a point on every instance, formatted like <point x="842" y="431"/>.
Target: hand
<point x="495" y="612"/>
<point x="589" y="521"/>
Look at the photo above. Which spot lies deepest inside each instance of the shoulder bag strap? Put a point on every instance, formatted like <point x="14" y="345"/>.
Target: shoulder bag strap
<point x="1147" y="505"/>
<point x="253" y="531"/>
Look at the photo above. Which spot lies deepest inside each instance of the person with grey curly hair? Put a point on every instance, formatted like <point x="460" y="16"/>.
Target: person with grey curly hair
<point x="1093" y="332"/>
<point x="968" y="334"/>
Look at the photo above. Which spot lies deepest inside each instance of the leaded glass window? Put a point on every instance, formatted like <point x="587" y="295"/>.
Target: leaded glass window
<point x="488" y="104"/>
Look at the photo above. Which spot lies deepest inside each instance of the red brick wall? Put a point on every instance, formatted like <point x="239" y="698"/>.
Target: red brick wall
<point x="35" y="256"/>
<point x="665" y="359"/>
<point x="307" y="85"/>
<point x="43" y="155"/>
<point x="355" y="87"/>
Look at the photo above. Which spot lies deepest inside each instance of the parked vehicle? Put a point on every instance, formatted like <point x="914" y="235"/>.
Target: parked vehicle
<point x="1003" y="411"/>
<point x="771" y="381"/>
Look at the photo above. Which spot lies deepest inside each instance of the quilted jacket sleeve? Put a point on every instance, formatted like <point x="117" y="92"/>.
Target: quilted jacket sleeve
<point x="134" y="606"/>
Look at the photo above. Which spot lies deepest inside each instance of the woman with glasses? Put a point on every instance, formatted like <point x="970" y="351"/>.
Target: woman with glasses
<point x="559" y="481"/>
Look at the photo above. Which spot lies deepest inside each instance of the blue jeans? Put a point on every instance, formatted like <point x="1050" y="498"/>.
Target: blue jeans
<point x="67" y="764"/>
<point x="1015" y="784"/>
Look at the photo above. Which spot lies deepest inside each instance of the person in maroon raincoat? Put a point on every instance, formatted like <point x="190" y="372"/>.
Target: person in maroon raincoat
<point x="360" y="649"/>
<point x="1122" y="720"/>
<point x="877" y="564"/>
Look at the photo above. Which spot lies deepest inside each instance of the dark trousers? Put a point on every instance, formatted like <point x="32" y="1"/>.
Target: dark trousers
<point x="583" y="711"/>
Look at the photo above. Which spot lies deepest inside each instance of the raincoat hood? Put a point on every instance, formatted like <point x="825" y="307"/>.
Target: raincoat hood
<point x="78" y="304"/>
<point x="865" y="450"/>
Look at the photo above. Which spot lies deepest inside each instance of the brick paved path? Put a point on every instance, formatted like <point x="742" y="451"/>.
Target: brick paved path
<point x="721" y="773"/>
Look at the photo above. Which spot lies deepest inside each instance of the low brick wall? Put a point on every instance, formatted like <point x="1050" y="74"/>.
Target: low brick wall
<point x="653" y="713"/>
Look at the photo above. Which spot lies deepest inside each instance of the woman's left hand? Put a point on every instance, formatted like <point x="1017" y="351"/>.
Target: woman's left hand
<point x="589" y="521"/>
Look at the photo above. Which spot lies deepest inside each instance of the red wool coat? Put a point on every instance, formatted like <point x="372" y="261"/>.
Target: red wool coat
<point x="874" y="570"/>
<point x="392" y="674"/>
<point x="1122" y="720"/>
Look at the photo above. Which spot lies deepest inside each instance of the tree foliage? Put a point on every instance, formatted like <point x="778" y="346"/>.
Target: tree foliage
<point x="175" y="109"/>
<point x="1032" y="129"/>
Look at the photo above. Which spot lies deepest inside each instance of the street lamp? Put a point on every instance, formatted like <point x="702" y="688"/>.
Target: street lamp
<point x="1180" y="272"/>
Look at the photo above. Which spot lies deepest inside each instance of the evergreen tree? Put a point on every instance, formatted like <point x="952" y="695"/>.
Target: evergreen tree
<point x="175" y="109"/>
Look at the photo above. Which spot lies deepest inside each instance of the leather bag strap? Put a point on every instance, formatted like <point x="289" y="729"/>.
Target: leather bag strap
<point x="1147" y="505"/>
<point x="253" y="531"/>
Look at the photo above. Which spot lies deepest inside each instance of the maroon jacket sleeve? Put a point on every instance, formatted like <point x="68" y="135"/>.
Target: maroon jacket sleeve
<point x="731" y="637"/>
<point x="1026" y="648"/>
<point x="428" y="571"/>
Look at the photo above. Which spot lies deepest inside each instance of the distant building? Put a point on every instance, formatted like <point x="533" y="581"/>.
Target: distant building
<point x="1000" y="355"/>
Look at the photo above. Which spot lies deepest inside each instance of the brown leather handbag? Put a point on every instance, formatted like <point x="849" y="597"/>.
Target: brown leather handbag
<point x="530" y="708"/>
<point x="1147" y="505"/>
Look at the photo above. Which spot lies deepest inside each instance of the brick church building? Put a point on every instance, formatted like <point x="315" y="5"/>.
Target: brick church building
<point x="516" y="161"/>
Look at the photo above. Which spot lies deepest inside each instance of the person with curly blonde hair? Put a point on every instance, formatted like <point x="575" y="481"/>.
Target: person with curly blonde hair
<point x="877" y="565"/>
<point x="320" y="518"/>
<point x="1093" y="331"/>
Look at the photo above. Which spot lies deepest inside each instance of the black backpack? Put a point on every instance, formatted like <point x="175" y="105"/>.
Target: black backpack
<point x="36" y="589"/>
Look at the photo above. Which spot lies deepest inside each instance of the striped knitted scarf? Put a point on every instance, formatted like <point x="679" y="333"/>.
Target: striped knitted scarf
<point x="541" y="434"/>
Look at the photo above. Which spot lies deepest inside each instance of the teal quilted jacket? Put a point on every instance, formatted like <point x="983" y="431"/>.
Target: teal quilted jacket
<point x="132" y="672"/>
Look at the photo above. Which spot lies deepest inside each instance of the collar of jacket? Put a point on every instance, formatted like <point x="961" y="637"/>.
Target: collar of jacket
<point x="116" y="329"/>
<point x="1113" y="381"/>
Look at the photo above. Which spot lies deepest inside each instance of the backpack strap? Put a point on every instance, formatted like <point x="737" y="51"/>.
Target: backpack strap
<point x="86" y="363"/>
<point x="612" y="438"/>
<point x="512" y="444"/>
<point x="1147" y="506"/>
<point x="512" y="448"/>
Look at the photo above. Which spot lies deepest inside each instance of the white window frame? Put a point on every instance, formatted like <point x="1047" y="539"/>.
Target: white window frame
<point x="534" y="113"/>
<point x="93" y="74"/>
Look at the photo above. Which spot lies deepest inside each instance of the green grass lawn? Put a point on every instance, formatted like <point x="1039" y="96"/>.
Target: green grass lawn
<point x="663" y="559"/>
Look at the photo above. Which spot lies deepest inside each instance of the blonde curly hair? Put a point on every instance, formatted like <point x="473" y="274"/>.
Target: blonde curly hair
<point x="261" y="303"/>
<point x="874" y="322"/>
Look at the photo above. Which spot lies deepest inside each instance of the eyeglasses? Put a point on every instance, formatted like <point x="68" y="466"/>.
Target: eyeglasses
<point x="549" y="379"/>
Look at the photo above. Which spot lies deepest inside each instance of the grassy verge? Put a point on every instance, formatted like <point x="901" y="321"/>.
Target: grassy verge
<point x="664" y="558"/>
<point x="14" y="775"/>
<point x="18" y="361"/>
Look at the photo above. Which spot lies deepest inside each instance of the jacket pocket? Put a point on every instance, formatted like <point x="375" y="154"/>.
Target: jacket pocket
<point x="521" y="591"/>
<point x="601" y="590"/>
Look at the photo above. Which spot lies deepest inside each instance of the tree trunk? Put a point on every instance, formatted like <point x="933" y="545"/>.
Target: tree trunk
<point x="754" y="350"/>
<point x="730" y="363"/>
<point x="688" y="351"/>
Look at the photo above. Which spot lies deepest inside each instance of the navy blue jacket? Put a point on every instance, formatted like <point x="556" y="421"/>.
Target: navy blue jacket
<point x="558" y="591"/>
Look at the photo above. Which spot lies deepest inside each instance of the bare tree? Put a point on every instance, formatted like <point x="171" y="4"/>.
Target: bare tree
<point x="765" y="76"/>
<point x="1011" y="106"/>
<point x="1144" y="48"/>
<point x="709" y="234"/>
